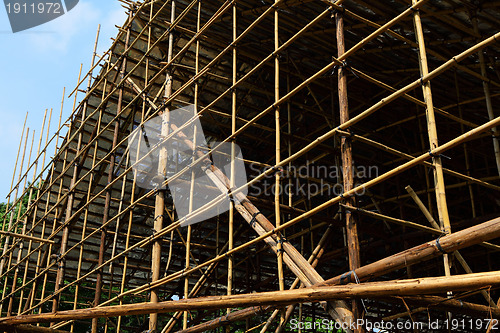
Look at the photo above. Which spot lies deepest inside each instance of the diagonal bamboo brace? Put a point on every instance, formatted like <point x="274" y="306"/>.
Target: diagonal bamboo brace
<point x="338" y="310"/>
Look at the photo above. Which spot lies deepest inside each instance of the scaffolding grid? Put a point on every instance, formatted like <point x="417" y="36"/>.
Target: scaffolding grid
<point x="353" y="207"/>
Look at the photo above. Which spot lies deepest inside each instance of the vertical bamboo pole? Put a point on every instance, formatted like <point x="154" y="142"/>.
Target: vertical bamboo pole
<point x="2" y="262"/>
<point x="434" y="224"/>
<point x="32" y="292"/>
<point x="23" y="232"/>
<point x="160" y="195"/>
<point x="347" y="164"/>
<point x="11" y="218"/>
<point x="444" y="219"/>
<point x="428" y="187"/>
<point x="42" y="256"/>
<point x="69" y="207"/>
<point x="14" y="176"/>
<point x="230" y="259"/>
<point x="193" y="176"/>
<point x="439" y="184"/>
<point x="25" y="223"/>
<point x="188" y="234"/>
<point x="107" y="201"/>
<point x="91" y="177"/>
<point x="487" y="95"/>
<point x="277" y="191"/>
<point x="134" y="179"/>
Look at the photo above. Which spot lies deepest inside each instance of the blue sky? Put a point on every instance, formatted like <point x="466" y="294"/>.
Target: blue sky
<point x="37" y="63"/>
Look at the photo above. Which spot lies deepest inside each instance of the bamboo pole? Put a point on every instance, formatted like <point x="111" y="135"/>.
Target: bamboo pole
<point x="277" y="188"/>
<point x="160" y="195"/>
<point x="311" y="294"/>
<point x="28" y="329"/>
<point x="33" y="186"/>
<point x="351" y="224"/>
<point x="61" y="260"/>
<point x="230" y="259"/>
<point x="445" y="244"/>
<point x="44" y="255"/>
<point x="261" y="225"/>
<point x="132" y="192"/>
<point x="434" y="224"/>
<point x="11" y="220"/>
<point x="463" y="138"/>
<point x="85" y="220"/>
<point x="26" y="237"/>
<point x="110" y="177"/>
<point x="487" y="95"/>
<point x="23" y="231"/>
<point x="439" y="184"/>
<point x="444" y="303"/>
<point x="9" y="226"/>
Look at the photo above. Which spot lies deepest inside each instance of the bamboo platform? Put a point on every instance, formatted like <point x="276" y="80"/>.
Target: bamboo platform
<point x="377" y="120"/>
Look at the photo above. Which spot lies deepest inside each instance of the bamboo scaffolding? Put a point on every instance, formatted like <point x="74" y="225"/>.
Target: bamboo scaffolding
<point x="465" y="137"/>
<point x="222" y="58"/>
<point x="299" y="266"/>
<point x="311" y="294"/>
<point x="434" y="224"/>
<point x="23" y="231"/>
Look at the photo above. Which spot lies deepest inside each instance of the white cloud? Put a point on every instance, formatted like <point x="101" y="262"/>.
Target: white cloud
<point x="57" y="34"/>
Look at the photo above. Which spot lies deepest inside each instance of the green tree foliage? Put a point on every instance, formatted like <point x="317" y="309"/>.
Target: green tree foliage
<point x="22" y="205"/>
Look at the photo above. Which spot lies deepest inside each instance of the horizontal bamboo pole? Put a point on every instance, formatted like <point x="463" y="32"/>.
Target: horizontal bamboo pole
<point x="443" y="303"/>
<point x="420" y="286"/>
<point x="446" y="244"/>
<point x="36" y="239"/>
<point x="28" y="329"/>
